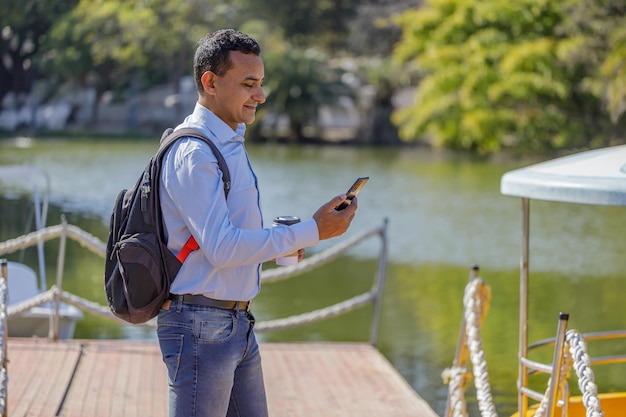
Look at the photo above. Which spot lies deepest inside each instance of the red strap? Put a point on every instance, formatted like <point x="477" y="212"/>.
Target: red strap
<point x="190" y="246"/>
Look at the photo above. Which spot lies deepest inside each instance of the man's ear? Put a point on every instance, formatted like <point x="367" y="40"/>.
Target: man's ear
<point x="208" y="82"/>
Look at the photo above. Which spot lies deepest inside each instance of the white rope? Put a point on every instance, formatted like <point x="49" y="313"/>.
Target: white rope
<point x="456" y="378"/>
<point x="25" y="305"/>
<point x="476" y="304"/>
<point x="313" y="316"/>
<point x="86" y="240"/>
<point x="270" y="325"/>
<point x="98" y="247"/>
<point x="575" y="355"/>
<point x="278" y="274"/>
<point x="86" y="305"/>
<point x="586" y="379"/>
<point x="473" y="302"/>
<point x="94" y="244"/>
<point x="3" y="316"/>
<point x="81" y="303"/>
<point x="3" y="348"/>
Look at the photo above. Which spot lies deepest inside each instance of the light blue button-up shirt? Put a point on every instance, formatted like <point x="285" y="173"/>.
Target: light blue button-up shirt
<point x="230" y="233"/>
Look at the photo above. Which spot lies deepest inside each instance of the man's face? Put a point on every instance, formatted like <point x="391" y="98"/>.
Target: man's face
<point x="234" y="96"/>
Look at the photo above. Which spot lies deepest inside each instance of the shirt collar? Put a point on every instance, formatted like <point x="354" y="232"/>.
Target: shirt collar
<point x="208" y="122"/>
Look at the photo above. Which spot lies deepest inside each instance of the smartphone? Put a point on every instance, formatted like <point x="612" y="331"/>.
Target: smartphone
<point x="352" y="192"/>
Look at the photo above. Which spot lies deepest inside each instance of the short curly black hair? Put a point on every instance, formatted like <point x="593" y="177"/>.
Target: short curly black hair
<point x="213" y="52"/>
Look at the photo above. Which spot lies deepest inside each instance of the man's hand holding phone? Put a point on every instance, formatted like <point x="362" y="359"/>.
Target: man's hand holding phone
<point x="334" y="217"/>
<point x="352" y="192"/>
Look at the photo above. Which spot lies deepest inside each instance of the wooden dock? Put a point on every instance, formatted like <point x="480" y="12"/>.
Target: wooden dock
<point x="102" y="378"/>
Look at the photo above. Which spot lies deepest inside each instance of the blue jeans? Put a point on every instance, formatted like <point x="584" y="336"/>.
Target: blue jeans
<point x="213" y="362"/>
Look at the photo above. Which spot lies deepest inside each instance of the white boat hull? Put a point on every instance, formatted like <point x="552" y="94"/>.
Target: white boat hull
<point x="37" y="322"/>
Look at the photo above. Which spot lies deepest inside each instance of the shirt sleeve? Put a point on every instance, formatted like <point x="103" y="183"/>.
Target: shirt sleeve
<point x="194" y="185"/>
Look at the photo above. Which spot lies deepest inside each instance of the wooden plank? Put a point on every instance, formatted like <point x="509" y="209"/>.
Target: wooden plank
<point x="330" y="379"/>
<point x="39" y="373"/>
<point x="128" y="378"/>
<point x="73" y="405"/>
<point x="119" y="378"/>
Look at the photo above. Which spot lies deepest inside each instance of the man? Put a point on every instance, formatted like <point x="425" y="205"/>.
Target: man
<point x="205" y="330"/>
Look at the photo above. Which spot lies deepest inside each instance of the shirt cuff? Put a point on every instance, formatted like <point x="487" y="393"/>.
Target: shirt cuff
<point x="307" y="233"/>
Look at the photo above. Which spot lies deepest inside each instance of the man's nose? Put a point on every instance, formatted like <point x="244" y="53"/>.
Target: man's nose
<point x="259" y="95"/>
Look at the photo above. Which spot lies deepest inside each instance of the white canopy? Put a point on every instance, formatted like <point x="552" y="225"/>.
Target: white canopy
<point x="591" y="177"/>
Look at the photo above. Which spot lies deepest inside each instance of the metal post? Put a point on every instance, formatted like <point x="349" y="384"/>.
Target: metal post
<point x="557" y="363"/>
<point x="522" y="399"/>
<point x="39" y="224"/>
<point x="4" y="275"/>
<point x="379" y="285"/>
<point x="59" y="283"/>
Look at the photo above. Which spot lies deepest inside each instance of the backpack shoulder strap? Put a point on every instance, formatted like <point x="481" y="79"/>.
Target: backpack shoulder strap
<point x="170" y="135"/>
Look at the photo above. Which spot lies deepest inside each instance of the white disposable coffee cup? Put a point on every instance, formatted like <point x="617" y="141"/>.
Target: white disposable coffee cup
<point x="287" y="221"/>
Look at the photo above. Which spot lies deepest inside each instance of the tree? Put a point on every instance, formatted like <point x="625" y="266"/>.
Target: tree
<point x="117" y="45"/>
<point x="494" y="76"/>
<point x="24" y="27"/>
<point x="381" y="79"/>
<point x="372" y="30"/>
<point x="299" y="82"/>
<point x="306" y="23"/>
<point x="595" y="47"/>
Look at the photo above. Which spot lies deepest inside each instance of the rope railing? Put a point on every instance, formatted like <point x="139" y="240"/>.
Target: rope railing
<point x="456" y="377"/>
<point x="575" y="356"/>
<point x="577" y="348"/>
<point x="98" y="247"/>
<point x="316" y="315"/>
<point x="319" y="259"/>
<point x="86" y="239"/>
<point x="27" y="304"/>
<point x="95" y="245"/>
<point x="476" y="301"/>
<point x="4" y="299"/>
<point x="49" y="295"/>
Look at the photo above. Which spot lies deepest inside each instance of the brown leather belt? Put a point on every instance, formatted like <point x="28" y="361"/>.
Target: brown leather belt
<point x="206" y="301"/>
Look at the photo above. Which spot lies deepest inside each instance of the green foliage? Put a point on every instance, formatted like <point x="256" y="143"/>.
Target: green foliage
<point x="23" y="28"/>
<point x="613" y="70"/>
<point x="596" y="47"/>
<point x="110" y="43"/>
<point x="305" y="23"/>
<point x="298" y="82"/>
<point x="121" y="46"/>
<point x="107" y="40"/>
<point x="508" y="74"/>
